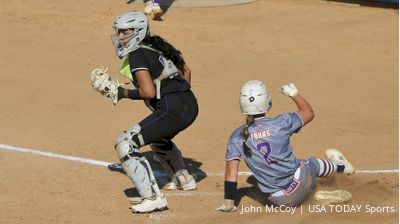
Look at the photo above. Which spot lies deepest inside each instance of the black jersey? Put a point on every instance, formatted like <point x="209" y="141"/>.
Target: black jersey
<point x="152" y="61"/>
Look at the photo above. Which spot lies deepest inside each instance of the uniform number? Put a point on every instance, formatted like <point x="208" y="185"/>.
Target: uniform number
<point x="265" y="149"/>
<point x="170" y="69"/>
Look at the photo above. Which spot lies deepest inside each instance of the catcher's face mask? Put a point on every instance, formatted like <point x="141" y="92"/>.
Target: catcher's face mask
<point x="130" y="28"/>
<point x="124" y="35"/>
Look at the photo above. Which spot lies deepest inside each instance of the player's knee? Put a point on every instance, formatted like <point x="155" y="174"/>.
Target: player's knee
<point x="132" y="135"/>
<point x="129" y="141"/>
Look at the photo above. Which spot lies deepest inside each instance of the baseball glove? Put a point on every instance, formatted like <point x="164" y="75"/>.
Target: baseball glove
<point x="103" y="83"/>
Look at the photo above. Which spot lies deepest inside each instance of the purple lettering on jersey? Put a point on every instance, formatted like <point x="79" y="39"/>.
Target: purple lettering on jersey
<point x="291" y="187"/>
<point x="265" y="149"/>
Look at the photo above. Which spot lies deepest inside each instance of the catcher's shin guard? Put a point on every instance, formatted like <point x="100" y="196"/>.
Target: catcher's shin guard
<point x="136" y="166"/>
<point x="173" y="164"/>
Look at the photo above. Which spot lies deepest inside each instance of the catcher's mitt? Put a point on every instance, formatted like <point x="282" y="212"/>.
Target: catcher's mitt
<point x="103" y="83"/>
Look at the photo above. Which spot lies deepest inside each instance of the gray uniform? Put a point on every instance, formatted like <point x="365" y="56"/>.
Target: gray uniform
<point x="272" y="160"/>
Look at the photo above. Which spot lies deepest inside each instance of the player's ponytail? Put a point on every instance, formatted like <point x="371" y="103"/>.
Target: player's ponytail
<point x="245" y="133"/>
<point x="167" y="49"/>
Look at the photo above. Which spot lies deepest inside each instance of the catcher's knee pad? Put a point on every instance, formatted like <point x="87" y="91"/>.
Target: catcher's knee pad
<point x="129" y="141"/>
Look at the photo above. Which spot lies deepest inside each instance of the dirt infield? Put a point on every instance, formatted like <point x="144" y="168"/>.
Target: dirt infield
<point x="343" y="59"/>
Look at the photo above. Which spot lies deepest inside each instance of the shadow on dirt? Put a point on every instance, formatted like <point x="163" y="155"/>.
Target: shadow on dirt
<point x="193" y="167"/>
<point x="252" y="192"/>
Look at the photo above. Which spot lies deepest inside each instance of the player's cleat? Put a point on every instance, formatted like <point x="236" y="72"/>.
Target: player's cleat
<point x="189" y="184"/>
<point x="333" y="197"/>
<point x="336" y="157"/>
<point x="148" y="8"/>
<point x="157" y="11"/>
<point x="223" y="208"/>
<point x="135" y="200"/>
<point x="147" y="205"/>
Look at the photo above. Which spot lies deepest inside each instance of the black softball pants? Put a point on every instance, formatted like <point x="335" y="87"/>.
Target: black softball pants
<point x="173" y="113"/>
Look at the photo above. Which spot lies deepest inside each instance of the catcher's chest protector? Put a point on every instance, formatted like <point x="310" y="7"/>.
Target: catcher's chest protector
<point x="169" y="70"/>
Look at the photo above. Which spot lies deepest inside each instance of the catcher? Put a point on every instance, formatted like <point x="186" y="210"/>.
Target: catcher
<point x="162" y="79"/>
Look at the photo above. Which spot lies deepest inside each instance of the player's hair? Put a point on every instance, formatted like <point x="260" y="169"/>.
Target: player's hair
<point x="245" y="133"/>
<point x="167" y="49"/>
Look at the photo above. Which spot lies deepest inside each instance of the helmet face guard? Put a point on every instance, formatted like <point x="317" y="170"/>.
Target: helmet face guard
<point x="135" y="22"/>
<point x="254" y="98"/>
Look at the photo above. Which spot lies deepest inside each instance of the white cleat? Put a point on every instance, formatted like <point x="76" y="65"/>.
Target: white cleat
<point x="148" y="8"/>
<point x="170" y="186"/>
<point x="188" y="185"/>
<point x="333" y="197"/>
<point x="336" y="157"/>
<point x="135" y="200"/>
<point x="157" y="11"/>
<point x="147" y="205"/>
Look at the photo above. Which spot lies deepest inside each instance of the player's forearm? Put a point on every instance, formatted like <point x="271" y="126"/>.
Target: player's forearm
<point x="231" y="170"/>
<point x="305" y="109"/>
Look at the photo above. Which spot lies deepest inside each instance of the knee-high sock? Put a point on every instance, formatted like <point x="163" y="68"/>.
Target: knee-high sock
<point x="326" y="168"/>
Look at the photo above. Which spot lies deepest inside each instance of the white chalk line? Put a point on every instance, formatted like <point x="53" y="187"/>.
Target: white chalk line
<point x="157" y="173"/>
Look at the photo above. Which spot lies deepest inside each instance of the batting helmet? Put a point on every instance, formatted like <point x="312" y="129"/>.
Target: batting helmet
<point x="254" y="98"/>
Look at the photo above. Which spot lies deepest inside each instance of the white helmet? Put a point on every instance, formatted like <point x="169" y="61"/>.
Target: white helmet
<point x="254" y="98"/>
<point x="135" y="21"/>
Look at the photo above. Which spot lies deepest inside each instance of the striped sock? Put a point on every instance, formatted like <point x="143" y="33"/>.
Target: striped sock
<point x="326" y="167"/>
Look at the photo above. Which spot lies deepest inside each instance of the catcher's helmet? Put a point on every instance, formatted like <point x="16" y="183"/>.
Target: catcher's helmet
<point x="135" y="21"/>
<point x="254" y="98"/>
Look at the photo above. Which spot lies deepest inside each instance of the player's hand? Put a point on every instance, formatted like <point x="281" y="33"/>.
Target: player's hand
<point x="289" y="90"/>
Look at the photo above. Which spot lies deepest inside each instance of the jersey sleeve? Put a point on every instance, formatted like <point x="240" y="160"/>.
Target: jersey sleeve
<point x="234" y="149"/>
<point x="294" y="122"/>
<point x="138" y="60"/>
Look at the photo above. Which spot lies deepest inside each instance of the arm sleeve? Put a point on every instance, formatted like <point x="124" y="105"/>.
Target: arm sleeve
<point x="294" y="122"/>
<point x="138" y="60"/>
<point x="233" y="150"/>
